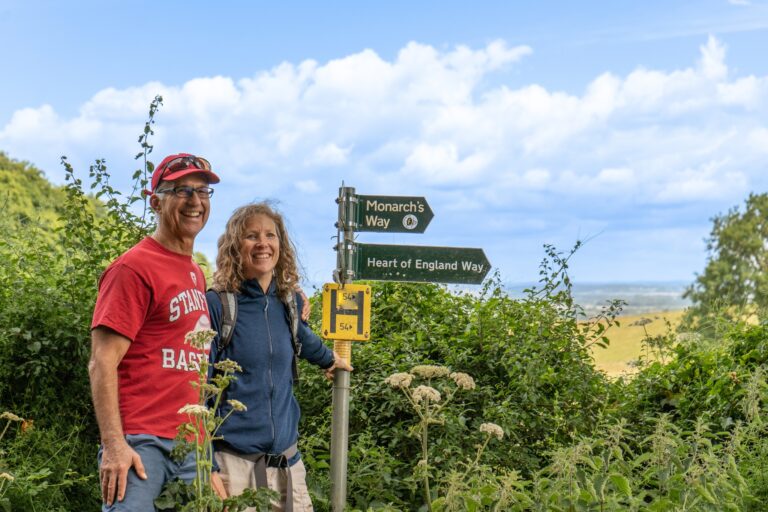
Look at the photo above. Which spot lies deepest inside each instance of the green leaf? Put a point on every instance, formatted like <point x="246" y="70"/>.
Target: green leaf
<point x="702" y="490"/>
<point x="622" y="484"/>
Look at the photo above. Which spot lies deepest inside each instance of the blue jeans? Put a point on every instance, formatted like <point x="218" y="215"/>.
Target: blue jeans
<point x="155" y="453"/>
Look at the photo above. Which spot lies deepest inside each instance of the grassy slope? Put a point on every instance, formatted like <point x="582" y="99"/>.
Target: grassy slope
<point x="626" y="340"/>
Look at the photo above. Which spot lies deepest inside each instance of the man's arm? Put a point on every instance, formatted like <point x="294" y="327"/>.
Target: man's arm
<point x="117" y="457"/>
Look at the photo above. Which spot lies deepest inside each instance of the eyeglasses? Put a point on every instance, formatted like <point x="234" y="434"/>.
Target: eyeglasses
<point x="185" y="162"/>
<point x="186" y="192"/>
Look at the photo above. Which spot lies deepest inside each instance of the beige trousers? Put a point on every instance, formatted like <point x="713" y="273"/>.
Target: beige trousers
<point x="238" y="474"/>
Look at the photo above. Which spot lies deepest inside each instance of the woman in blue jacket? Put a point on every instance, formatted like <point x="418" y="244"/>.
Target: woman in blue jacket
<point x="256" y="262"/>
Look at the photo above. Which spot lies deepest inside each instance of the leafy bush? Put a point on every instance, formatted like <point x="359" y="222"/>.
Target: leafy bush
<point x="530" y="359"/>
<point x="48" y="289"/>
<point x="39" y="466"/>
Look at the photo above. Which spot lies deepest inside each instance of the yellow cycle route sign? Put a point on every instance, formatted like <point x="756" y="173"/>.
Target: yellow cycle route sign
<point x="346" y="312"/>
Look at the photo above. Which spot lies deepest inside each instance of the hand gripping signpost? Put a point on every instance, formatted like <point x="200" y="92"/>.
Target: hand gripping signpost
<point x="347" y="307"/>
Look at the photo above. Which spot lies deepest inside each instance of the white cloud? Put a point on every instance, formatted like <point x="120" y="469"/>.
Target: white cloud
<point x="439" y="122"/>
<point x="308" y="186"/>
<point x="619" y="177"/>
<point x="31" y="122"/>
<point x="330" y="154"/>
<point x="427" y="115"/>
<point x="537" y="178"/>
<point x="747" y="92"/>
<point x="758" y="140"/>
<point x="708" y="181"/>
<point x="713" y="60"/>
<point x="441" y="163"/>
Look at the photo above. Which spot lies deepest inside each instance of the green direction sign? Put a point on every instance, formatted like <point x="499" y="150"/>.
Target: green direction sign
<point x="393" y="214"/>
<point x="419" y="263"/>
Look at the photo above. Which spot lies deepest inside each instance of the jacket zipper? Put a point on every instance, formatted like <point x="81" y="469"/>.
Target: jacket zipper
<point x="271" y="380"/>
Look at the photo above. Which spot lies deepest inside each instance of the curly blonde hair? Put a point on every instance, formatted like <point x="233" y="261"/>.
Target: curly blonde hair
<point x="229" y="266"/>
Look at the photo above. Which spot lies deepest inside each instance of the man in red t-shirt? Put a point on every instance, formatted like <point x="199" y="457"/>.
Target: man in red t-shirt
<point x="140" y="368"/>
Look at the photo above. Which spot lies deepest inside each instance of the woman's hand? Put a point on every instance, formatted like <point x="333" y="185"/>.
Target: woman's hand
<point x="338" y="363"/>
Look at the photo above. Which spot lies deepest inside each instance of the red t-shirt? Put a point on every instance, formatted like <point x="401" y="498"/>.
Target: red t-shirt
<point x="154" y="297"/>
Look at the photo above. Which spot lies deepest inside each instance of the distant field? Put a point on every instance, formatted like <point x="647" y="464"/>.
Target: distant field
<point x="625" y="340"/>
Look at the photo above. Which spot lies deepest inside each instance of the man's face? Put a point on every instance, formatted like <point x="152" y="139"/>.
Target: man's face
<point x="182" y="217"/>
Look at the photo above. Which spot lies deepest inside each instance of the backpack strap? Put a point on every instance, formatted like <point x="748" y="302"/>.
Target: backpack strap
<point x="228" y="317"/>
<point x="293" y="321"/>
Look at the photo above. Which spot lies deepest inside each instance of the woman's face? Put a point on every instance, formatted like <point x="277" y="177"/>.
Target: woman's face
<point x="260" y="249"/>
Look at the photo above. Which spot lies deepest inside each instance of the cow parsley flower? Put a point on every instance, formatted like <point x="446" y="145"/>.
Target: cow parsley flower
<point x="237" y="405"/>
<point x="195" y="410"/>
<point x="430" y="371"/>
<point x="428" y="393"/>
<point x="492" y="429"/>
<point x="399" y="380"/>
<point x="200" y="339"/>
<point x="463" y="380"/>
<point x="7" y="415"/>
<point x="227" y="365"/>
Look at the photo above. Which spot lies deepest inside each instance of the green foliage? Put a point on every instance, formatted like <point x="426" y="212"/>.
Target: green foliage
<point x="734" y="283"/>
<point x="702" y="379"/>
<point x="672" y="470"/>
<point x="49" y="288"/>
<point x="430" y="403"/>
<point x="530" y="359"/>
<point x="38" y="466"/>
<point x="27" y="196"/>
<point x="47" y="292"/>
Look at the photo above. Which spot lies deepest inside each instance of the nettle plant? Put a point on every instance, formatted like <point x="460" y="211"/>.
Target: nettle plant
<point x="6" y="475"/>
<point x="198" y="433"/>
<point x="430" y="400"/>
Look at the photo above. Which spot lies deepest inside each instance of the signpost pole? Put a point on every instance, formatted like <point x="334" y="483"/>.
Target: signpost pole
<point x="386" y="214"/>
<point x="340" y="418"/>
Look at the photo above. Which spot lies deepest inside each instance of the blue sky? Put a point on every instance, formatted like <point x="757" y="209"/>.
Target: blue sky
<point x="626" y="124"/>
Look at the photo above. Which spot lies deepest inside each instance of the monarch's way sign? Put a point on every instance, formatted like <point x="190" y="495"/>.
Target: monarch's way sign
<point x="392" y="214"/>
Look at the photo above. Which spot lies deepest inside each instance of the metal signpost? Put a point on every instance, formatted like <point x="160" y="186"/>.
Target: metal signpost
<point x="346" y="307"/>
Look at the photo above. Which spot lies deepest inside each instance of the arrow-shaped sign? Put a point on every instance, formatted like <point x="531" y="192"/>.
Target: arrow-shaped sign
<point x="393" y="214"/>
<point x="420" y="263"/>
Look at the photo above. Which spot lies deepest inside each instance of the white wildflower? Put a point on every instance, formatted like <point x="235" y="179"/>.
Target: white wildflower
<point x="200" y="339"/>
<point x="195" y="410"/>
<point x="227" y="365"/>
<point x="399" y="380"/>
<point x="208" y="388"/>
<point x="430" y="371"/>
<point x="429" y="393"/>
<point x="7" y="415"/>
<point x="6" y="476"/>
<point x="463" y="380"/>
<point x="492" y="429"/>
<point x="237" y="405"/>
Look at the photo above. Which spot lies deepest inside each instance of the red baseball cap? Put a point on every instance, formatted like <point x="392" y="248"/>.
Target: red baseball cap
<point x="176" y="166"/>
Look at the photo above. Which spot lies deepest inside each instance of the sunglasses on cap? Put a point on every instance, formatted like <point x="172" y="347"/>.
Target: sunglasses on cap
<point x="184" y="162"/>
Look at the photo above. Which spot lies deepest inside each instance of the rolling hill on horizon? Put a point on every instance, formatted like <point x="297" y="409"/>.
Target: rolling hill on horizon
<point x="641" y="296"/>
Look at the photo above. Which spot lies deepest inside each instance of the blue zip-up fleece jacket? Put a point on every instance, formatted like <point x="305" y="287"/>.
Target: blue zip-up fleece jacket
<point x="261" y="345"/>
